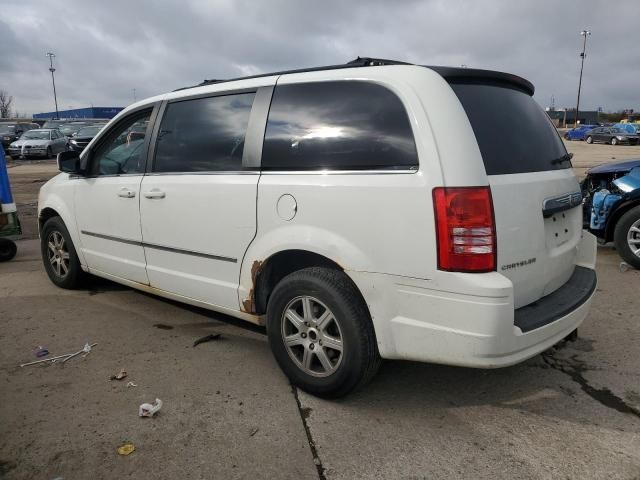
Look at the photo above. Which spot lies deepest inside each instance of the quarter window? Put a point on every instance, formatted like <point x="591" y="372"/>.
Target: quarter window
<point x="341" y="125"/>
<point x="204" y="134"/>
<point x="123" y="149"/>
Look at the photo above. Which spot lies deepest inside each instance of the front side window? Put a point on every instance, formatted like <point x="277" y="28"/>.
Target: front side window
<point x="338" y="125"/>
<point x="122" y="150"/>
<point x="203" y="134"/>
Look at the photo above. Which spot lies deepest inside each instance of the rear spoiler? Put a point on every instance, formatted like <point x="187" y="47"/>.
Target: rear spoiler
<point x="484" y="77"/>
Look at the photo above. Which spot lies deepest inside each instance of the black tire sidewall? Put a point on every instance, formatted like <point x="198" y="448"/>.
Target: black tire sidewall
<point x="345" y="304"/>
<point x="8" y="249"/>
<point x="73" y="278"/>
<point x="620" y="236"/>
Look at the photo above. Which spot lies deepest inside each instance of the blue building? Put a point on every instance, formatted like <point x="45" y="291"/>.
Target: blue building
<point x="90" y="112"/>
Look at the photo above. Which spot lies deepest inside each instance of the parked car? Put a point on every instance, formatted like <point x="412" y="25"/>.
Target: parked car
<point x="612" y="135"/>
<point x="578" y="133"/>
<point x="54" y="123"/>
<point x="82" y="137"/>
<point x="335" y="206"/>
<point x="43" y="142"/>
<point x="69" y="128"/>
<point x="10" y="132"/>
<point x="612" y="206"/>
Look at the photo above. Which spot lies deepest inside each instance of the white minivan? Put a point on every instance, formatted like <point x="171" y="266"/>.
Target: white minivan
<point x="362" y="211"/>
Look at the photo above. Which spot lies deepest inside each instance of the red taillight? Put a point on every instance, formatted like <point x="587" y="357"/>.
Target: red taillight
<point x="465" y="229"/>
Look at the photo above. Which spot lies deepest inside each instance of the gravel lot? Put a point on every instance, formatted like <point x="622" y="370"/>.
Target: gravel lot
<point x="573" y="412"/>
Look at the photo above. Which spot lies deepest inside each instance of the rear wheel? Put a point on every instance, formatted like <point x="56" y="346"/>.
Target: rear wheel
<point x="8" y="249"/>
<point x="614" y="141"/>
<point x="321" y="333"/>
<point x="626" y="237"/>
<point x="589" y="139"/>
<point x="59" y="255"/>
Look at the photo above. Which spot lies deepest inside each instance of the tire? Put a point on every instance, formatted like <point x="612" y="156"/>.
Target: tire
<point x="55" y="240"/>
<point x="8" y="249"/>
<point x="324" y="293"/>
<point x="626" y="235"/>
<point x="589" y="140"/>
<point x="614" y="141"/>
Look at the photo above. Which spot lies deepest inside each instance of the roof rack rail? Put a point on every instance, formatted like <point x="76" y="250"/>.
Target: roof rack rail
<point x="357" y="62"/>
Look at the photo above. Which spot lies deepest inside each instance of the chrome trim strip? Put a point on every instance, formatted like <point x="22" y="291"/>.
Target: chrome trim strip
<point x="160" y="247"/>
<point x="214" y="172"/>
<point x="560" y="203"/>
<point x="339" y="172"/>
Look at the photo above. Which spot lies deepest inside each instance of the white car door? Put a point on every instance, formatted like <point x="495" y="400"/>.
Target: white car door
<point x="107" y="199"/>
<point x="198" y="201"/>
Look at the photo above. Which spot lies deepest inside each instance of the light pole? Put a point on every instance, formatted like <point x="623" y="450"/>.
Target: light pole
<point x="584" y="33"/>
<point x="53" y="80"/>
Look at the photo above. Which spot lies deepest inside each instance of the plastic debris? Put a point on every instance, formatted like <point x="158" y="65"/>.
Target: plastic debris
<point x="148" y="409"/>
<point x="127" y="448"/>
<point x="207" y="338"/>
<point x="67" y="356"/>
<point x="131" y="384"/>
<point x="41" y="351"/>
<point x="253" y="432"/>
<point x="162" y="326"/>
<point x="624" y="267"/>
<point x="119" y="376"/>
<point x="86" y="349"/>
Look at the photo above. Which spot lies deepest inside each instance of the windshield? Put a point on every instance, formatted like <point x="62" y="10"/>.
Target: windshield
<point x="71" y="128"/>
<point x="514" y="134"/>
<point x="88" y="131"/>
<point x="38" y="135"/>
<point x="7" y="128"/>
<point x="53" y="123"/>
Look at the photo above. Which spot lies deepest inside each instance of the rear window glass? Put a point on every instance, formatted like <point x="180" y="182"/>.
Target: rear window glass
<point x="342" y="125"/>
<point x="514" y="134"/>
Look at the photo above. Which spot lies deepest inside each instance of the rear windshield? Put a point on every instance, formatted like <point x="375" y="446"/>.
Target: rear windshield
<point x="514" y="134"/>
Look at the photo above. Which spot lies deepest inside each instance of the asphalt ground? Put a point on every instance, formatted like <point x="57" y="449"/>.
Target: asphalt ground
<point x="228" y="411"/>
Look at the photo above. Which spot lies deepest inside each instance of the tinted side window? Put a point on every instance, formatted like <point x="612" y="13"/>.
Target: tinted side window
<point x="122" y="150"/>
<point x="514" y="134"/>
<point x="203" y="135"/>
<point x="342" y="125"/>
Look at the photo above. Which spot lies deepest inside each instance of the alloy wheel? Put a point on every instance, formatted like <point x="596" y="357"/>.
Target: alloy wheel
<point x="58" y="254"/>
<point x="312" y="336"/>
<point x="633" y="238"/>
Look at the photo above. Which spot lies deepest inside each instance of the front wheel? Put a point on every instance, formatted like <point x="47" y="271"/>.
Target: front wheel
<point x="59" y="255"/>
<point x="626" y="237"/>
<point x="321" y="333"/>
<point x="8" y="249"/>
<point x="589" y="139"/>
<point x="614" y="141"/>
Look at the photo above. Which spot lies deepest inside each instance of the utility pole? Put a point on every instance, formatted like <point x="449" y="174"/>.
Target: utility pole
<point x="53" y="80"/>
<point x="584" y="33"/>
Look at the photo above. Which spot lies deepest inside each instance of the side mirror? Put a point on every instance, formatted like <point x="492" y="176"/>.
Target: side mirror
<point x="69" y="162"/>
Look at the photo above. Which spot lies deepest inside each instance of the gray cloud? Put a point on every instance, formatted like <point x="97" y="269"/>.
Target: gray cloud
<point x="106" y="49"/>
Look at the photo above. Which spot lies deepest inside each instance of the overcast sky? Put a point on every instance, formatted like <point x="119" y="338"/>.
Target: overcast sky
<point x="105" y="49"/>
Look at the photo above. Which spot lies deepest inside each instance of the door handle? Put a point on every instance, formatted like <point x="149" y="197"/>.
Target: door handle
<point x="126" y="193"/>
<point x="154" y="193"/>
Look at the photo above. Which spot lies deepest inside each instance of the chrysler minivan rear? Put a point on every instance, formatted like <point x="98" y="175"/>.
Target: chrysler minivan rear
<point x="515" y="269"/>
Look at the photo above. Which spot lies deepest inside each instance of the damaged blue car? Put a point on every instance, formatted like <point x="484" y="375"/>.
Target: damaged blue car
<point x="611" y="212"/>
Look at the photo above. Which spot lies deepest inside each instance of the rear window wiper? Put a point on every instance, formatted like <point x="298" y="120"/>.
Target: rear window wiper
<point x="564" y="158"/>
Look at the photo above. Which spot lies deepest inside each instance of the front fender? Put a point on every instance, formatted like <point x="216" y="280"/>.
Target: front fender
<point x="58" y="195"/>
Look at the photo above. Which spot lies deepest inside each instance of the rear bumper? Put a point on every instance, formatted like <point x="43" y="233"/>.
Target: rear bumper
<point x="422" y="321"/>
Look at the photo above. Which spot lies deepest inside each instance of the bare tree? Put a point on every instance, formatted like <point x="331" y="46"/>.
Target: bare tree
<point x="5" y="104"/>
